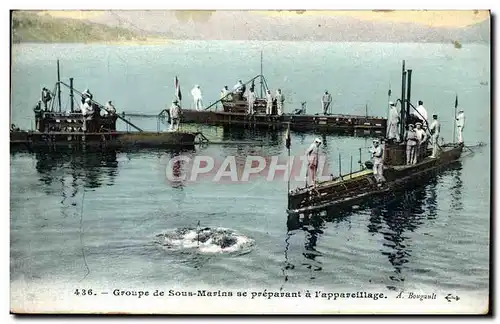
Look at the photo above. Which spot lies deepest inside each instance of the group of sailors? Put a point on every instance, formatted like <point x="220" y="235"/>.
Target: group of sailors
<point x="89" y="109"/>
<point x="240" y="93"/>
<point x="417" y="137"/>
<point x="420" y="132"/>
<point x="377" y="151"/>
<point x="87" y="106"/>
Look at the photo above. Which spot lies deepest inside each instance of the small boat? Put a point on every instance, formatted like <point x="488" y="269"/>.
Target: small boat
<point x="356" y="187"/>
<point x="57" y="129"/>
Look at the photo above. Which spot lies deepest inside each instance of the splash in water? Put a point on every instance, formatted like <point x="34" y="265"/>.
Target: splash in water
<point x="205" y="240"/>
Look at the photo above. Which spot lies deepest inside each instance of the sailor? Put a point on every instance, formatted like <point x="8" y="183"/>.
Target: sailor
<point x="420" y="113"/>
<point x="301" y="110"/>
<point x="422" y="138"/>
<point x="109" y="109"/>
<point x="460" y="125"/>
<point x="252" y="86"/>
<point x="46" y="97"/>
<point x="326" y="100"/>
<point x="87" y="107"/>
<point x="238" y="86"/>
<point x="224" y="94"/>
<point x="312" y="160"/>
<point x="239" y="89"/>
<point x="86" y="95"/>
<point x="434" y="129"/>
<point x="243" y="91"/>
<point x="378" y="161"/>
<point x="280" y="101"/>
<point x="269" y="102"/>
<point x="251" y="101"/>
<point x="87" y="112"/>
<point x="411" y="138"/>
<point x="393" y="123"/>
<point x="175" y="114"/>
<point x="38" y="115"/>
<point x="198" y="100"/>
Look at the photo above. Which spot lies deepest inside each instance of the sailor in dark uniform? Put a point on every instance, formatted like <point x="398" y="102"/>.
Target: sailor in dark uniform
<point x="38" y="116"/>
<point x="46" y="97"/>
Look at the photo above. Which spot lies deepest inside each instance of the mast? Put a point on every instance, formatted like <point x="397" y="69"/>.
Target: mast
<point x="71" y="94"/>
<point x="58" y="86"/>
<point x="408" y="96"/>
<point x="261" y="73"/>
<point x="455" y="118"/>
<point x="403" y="91"/>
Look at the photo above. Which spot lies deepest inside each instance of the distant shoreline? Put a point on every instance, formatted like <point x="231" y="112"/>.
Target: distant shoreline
<point x="29" y="27"/>
<point x="161" y="41"/>
<point x="103" y="27"/>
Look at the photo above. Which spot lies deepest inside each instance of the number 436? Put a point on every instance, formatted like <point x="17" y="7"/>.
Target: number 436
<point x="83" y="292"/>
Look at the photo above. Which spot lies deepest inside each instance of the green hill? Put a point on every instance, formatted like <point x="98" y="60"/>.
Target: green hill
<point x="28" y="26"/>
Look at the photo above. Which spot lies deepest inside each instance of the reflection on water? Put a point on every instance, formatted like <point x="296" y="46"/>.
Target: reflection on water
<point x="391" y="218"/>
<point x="456" y="190"/>
<point x="70" y="168"/>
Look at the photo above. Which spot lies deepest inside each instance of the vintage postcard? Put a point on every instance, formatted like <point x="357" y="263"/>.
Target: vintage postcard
<point x="250" y="162"/>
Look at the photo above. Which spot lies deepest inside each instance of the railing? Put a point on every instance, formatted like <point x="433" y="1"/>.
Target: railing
<point x="360" y="162"/>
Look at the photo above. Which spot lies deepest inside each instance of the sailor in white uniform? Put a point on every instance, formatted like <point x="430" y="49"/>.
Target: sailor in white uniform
<point x="224" y="94"/>
<point x="460" y="125"/>
<point x="411" y="138"/>
<point x="420" y="113"/>
<point x="269" y="102"/>
<point x="434" y="129"/>
<point x="422" y="138"/>
<point x="393" y="123"/>
<point x="326" y="100"/>
<point x="87" y="112"/>
<point x="109" y="109"/>
<point x="280" y="100"/>
<point x="378" y="161"/>
<point x="251" y="101"/>
<point x="198" y="100"/>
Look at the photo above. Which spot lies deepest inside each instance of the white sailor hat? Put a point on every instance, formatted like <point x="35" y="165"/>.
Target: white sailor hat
<point x="318" y="140"/>
<point x="418" y="123"/>
<point x="411" y="125"/>
<point x="391" y="103"/>
<point x="87" y="100"/>
<point x="376" y="140"/>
